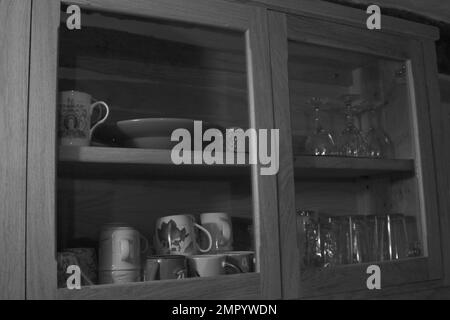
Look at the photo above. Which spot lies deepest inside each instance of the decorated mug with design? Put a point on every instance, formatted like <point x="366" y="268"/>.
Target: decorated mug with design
<point x="75" y="113"/>
<point x="176" y="235"/>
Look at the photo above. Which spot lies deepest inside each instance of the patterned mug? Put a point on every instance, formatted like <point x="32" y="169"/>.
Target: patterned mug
<point x="75" y="112"/>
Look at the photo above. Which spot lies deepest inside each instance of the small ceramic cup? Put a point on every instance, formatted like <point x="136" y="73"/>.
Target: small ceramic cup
<point x="209" y="265"/>
<point x="242" y="260"/>
<point x="166" y="267"/>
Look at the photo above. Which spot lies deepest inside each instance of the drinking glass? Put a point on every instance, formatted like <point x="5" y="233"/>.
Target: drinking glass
<point x="351" y="141"/>
<point x="379" y="145"/>
<point x="398" y="236"/>
<point x="414" y="245"/>
<point x="333" y="241"/>
<point x="378" y="239"/>
<point x="309" y="239"/>
<point x="356" y="239"/>
<point x="321" y="142"/>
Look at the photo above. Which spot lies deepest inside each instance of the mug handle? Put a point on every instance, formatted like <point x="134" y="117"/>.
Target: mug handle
<point x="144" y="239"/>
<point x="209" y="238"/>
<point x="102" y="119"/>
<point x="232" y="266"/>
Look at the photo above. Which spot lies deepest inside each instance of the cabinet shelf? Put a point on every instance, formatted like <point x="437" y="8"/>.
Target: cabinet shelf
<point x="98" y="161"/>
<point x="345" y="167"/>
<point x="239" y="286"/>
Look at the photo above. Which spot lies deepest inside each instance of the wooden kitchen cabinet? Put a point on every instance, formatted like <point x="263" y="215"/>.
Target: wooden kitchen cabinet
<point x="202" y="60"/>
<point x="248" y="64"/>
<point x="334" y="85"/>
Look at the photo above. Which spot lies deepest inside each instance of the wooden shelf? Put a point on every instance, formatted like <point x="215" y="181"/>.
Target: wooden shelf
<point x="353" y="277"/>
<point x="128" y="162"/>
<point x="239" y="286"/>
<point x="330" y="166"/>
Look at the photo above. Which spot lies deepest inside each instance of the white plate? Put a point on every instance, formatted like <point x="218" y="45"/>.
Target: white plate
<point x="152" y="133"/>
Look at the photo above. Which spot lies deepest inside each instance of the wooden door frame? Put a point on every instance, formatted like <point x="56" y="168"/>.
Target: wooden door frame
<point x="41" y="212"/>
<point x="15" y="18"/>
<point x="284" y="27"/>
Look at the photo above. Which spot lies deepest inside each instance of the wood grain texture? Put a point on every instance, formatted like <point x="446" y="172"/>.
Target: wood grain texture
<point x="354" y="277"/>
<point x="310" y="166"/>
<point x="439" y="115"/>
<point x="421" y="290"/>
<point x="243" y="286"/>
<point x="14" y="60"/>
<point x="264" y="187"/>
<point x="290" y="259"/>
<point x="425" y="167"/>
<point x="232" y="15"/>
<point x="313" y="31"/>
<point x="343" y="14"/>
<point x="41" y="216"/>
<point x="41" y="200"/>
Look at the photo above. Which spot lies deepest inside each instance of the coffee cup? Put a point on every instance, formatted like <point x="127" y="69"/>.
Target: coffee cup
<point x="220" y="227"/>
<point x="243" y="261"/>
<point x="75" y="112"/>
<point x="120" y="250"/>
<point x="209" y="265"/>
<point x="166" y="267"/>
<point x="176" y="235"/>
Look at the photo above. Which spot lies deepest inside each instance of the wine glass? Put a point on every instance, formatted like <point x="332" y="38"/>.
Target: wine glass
<point x="321" y="142"/>
<point x="351" y="141"/>
<point x="379" y="145"/>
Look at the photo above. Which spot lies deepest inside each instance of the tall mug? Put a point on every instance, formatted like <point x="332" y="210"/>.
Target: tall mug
<point x="75" y="112"/>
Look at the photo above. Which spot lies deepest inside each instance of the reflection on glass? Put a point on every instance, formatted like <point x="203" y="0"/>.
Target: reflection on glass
<point x="351" y="141"/>
<point x="378" y="142"/>
<point x="320" y="143"/>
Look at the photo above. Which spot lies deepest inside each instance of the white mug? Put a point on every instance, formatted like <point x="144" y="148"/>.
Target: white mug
<point x="120" y="248"/>
<point x="176" y="235"/>
<point x="209" y="265"/>
<point x="219" y="226"/>
<point x="75" y="111"/>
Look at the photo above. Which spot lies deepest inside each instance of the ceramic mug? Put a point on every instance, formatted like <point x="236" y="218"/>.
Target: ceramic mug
<point x="209" y="265"/>
<point x="220" y="227"/>
<point x="120" y="248"/>
<point x="242" y="260"/>
<point x="166" y="267"/>
<point x="75" y="112"/>
<point x="176" y="235"/>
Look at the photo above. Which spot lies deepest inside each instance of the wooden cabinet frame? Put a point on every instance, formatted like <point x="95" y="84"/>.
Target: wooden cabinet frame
<point x="41" y="212"/>
<point x="267" y="33"/>
<point x="312" y="30"/>
<point x="14" y="60"/>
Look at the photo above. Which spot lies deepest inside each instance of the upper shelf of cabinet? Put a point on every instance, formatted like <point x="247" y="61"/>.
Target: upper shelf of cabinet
<point x="92" y="161"/>
<point x="345" y="167"/>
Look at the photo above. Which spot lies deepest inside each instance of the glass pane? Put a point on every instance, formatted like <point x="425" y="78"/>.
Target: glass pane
<point x="126" y="212"/>
<point x="356" y="188"/>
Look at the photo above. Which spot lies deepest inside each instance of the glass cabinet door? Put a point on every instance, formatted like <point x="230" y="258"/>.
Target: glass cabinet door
<point x="145" y="91"/>
<point x="360" y="190"/>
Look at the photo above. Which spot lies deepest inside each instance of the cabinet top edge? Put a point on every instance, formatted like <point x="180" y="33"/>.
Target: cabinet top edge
<point x="352" y="16"/>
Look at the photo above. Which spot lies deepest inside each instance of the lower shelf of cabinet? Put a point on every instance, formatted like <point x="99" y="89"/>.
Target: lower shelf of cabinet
<point x="241" y="286"/>
<point x="353" y="278"/>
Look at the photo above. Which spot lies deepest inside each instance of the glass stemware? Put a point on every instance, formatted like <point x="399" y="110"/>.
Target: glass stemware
<point x="351" y="141"/>
<point x="379" y="145"/>
<point x="321" y="142"/>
